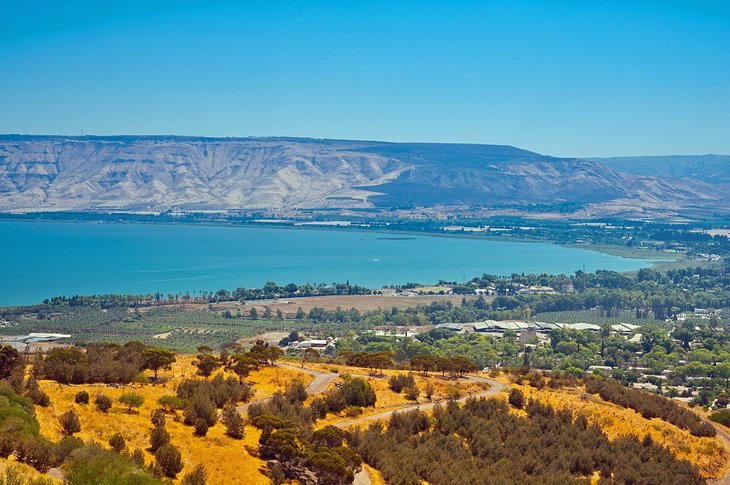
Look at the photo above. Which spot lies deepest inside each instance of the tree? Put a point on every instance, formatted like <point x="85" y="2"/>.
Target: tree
<point x="233" y="421"/>
<point x="206" y="364"/>
<point x="156" y="358"/>
<point x="103" y="402"/>
<point x="242" y="365"/>
<point x="10" y="361"/>
<point x="131" y="400"/>
<point x="169" y="459"/>
<point x="69" y="422"/>
<point x="310" y="355"/>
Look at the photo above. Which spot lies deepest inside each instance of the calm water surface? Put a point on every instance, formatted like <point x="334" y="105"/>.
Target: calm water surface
<point x="40" y="260"/>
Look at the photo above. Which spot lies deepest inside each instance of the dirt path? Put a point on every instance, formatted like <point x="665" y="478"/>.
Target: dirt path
<point x="495" y="388"/>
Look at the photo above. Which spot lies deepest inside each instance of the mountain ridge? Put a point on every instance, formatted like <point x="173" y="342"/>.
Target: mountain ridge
<point x="171" y="172"/>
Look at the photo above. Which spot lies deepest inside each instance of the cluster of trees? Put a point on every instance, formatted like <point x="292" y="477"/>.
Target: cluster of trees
<point x="649" y="405"/>
<point x="82" y="463"/>
<point x="107" y="363"/>
<point x="241" y="363"/>
<point x="482" y="442"/>
<point x="405" y="383"/>
<point x="268" y="291"/>
<point x="201" y="399"/>
<point x="293" y="450"/>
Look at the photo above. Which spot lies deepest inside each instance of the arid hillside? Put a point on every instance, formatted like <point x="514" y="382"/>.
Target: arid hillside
<point x="157" y="173"/>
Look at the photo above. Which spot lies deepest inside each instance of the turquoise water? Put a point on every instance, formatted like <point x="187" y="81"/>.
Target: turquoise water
<point x="40" y="260"/>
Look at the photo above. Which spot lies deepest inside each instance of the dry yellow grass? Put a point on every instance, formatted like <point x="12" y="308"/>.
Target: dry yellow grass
<point x="709" y="454"/>
<point x="389" y="400"/>
<point x="27" y="471"/>
<point x="226" y="460"/>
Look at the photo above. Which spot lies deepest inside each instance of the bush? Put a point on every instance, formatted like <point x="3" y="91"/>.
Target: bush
<point x="66" y="446"/>
<point x="516" y="398"/>
<point x="82" y="397"/>
<point x="117" y="443"/>
<point x="95" y="465"/>
<point x="412" y="392"/>
<point x="158" y="418"/>
<point x="69" y="422"/>
<point x="103" y="402"/>
<point x="399" y="382"/>
<point x="195" y="477"/>
<point x="201" y="427"/>
<point x="722" y="417"/>
<point x="169" y="459"/>
<point x="234" y="422"/>
<point x="353" y="411"/>
<point x="37" y="452"/>
<point x="158" y="437"/>
<point x="39" y="398"/>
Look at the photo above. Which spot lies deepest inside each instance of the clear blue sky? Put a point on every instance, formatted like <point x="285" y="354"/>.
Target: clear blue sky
<point x="572" y="78"/>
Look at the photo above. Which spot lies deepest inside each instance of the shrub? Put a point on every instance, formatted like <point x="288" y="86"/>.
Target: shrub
<point x="158" y="437"/>
<point x="36" y="451"/>
<point x="158" y="418"/>
<point x="169" y="459"/>
<point x="95" y="465"/>
<point x="516" y="398"/>
<point x="66" y="446"/>
<point x="195" y="477"/>
<point x="429" y="390"/>
<point x="201" y="427"/>
<point x="103" y="402"/>
<point x="82" y="397"/>
<point x="69" y="422"/>
<point x="722" y="417"/>
<point x="39" y="397"/>
<point x="353" y="411"/>
<point x="412" y="392"/>
<point x="233" y="421"/>
<point x="117" y="442"/>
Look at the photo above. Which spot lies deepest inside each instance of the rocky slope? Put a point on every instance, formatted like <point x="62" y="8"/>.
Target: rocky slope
<point x="184" y="173"/>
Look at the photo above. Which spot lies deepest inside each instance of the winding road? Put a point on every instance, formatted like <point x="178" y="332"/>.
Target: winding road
<point x="726" y="436"/>
<point x="495" y="387"/>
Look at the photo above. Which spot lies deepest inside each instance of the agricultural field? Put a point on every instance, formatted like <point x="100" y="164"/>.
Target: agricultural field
<point x="173" y="328"/>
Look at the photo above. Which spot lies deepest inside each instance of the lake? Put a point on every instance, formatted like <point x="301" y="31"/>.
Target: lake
<point x="44" y="259"/>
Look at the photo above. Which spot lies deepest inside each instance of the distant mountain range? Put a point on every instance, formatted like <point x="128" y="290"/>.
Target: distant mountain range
<point x="714" y="169"/>
<point x="157" y="173"/>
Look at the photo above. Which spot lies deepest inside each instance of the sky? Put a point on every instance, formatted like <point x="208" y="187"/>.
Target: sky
<point x="564" y="78"/>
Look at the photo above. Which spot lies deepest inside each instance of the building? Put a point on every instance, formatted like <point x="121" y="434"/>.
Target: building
<point x="35" y="342"/>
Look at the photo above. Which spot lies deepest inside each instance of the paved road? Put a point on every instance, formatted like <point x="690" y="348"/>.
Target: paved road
<point x="495" y="388"/>
<point x="318" y="385"/>
<point x="726" y="436"/>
